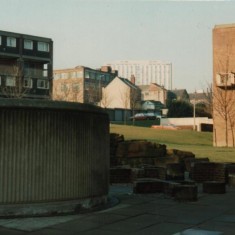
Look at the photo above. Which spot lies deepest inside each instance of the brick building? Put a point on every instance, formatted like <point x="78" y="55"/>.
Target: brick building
<point x="81" y="84"/>
<point x="121" y="93"/>
<point x="153" y="92"/>
<point x="26" y="64"/>
<point x="224" y="84"/>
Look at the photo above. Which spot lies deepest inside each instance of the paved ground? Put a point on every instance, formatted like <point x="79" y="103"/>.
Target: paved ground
<point x="138" y="214"/>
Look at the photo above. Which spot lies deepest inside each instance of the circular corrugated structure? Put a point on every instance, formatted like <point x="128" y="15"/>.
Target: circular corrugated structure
<point x="53" y="152"/>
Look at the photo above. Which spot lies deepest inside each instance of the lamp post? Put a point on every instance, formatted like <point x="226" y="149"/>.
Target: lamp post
<point x="194" y="112"/>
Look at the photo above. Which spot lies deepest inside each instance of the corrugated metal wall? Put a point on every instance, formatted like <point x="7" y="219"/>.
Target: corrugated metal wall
<point x="52" y="154"/>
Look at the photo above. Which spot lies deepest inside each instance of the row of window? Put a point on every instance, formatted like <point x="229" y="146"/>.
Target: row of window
<point x="10" y="81"/>
<point x="75" y="87"/>
<point x="79" y="74"/>
<point x="28" y="44"/>
<point x="97" y="76"/>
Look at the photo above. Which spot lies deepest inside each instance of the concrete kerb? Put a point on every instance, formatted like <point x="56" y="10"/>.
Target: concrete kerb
<point x="57" y="208"/>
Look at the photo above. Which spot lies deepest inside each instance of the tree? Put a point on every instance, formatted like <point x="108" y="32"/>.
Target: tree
<point x="170" y="98"/>
<point x="135" y="97"/>
<point x="224" y="107"/>
<point x="130" y="98"/>
<point x="180" y="108"/>
<point x="16" y="84"/>
<point x="202" y="110"/>
<point x="67" y="90"/>
<point x="125" y="95"/>
<point x="208" y="95"/>
<point x="223" y="94"/>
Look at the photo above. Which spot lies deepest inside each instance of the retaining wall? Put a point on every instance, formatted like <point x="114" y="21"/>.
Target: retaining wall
<point x="52" y="151"/>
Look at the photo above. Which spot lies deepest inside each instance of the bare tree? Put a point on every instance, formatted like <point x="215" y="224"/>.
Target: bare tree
<point x="91" y="94"/>
<point x="125" y="99"/>
<point x="16" y="84"/>
<point x="130" y="97"/>
<point x="223" y="95"/>
<point x="208" y="95"/>
<point x="135" y="98"/>
<point x="231" y="115"/>
<point x="67" y="90"/>
<point x="224" y="108"/>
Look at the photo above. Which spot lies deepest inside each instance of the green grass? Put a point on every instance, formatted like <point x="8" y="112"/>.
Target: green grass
<point x="200" y="143"/>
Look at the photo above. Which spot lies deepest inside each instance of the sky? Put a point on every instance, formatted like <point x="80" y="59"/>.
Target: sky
<point x="92" y="33"/>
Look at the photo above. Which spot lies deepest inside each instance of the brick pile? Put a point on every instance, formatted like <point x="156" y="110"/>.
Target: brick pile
<point x="209" y="171"/>
<point x="189" y="162"/>
<point x="185" y="192"/>
<point x="115" y="139"/>
<point x="175" y="171"/>
<point x="140" y="148"/>
<point x="147" y="159"/>
<point x="120" y="175"/>
<point x="178" y="191"/>
<point x="214" y="187"/>
<point x="155" y="172"/>
<point x="137" y="173"/>
<point x="152" y="168"/>
<point x="149" y="186"/>
<point x="231" y="174"/>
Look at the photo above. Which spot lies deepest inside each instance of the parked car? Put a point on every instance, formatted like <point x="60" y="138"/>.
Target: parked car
<point x="151" y="116"/>
<point x="157" y="115"/>
<point x="143" y="116"/>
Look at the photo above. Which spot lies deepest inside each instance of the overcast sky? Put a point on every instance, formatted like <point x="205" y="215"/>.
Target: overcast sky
<point x="92" y="33"/>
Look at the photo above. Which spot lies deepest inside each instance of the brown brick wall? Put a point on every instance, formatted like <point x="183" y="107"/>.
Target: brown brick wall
<point x="223" y="62"/>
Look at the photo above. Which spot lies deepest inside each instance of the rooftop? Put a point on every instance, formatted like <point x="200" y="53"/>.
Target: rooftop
<point x="225" y="26"/>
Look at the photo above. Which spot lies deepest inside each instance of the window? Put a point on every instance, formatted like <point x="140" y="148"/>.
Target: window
<point x="10" y="81"/>
<point x="64" y="88"/>
<point x="45" y="70"/>
<point x="28" y="44"/>
<point x="79" y="74"/>
<point x="75" y="87"/>
<point x="98" y="76"/>
<point x="64" y="75"/>
<point x="28" y="83"/>
<point x="102" y="77"/>
<point x="87" y="74"/>
<point x="73" y="74"/>
<point x="57" y="76"/>
<point x="43" y="46"/>
<point x="45" y="73"/>
<point x="92" y="75"/>
<point x="0" y="40"/>
<point x="107" y="78"/>
<point x="45" y="66"/>
<point x="42" y="84"/>
<point x="0" y="80"/>
<point x="11" y="42"/>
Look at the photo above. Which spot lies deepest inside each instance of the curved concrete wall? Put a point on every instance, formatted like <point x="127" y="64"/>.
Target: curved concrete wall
<point x="52" y="151"/>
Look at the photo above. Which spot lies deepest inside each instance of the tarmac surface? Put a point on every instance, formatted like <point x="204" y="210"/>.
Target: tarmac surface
<point x="146" y="214"/>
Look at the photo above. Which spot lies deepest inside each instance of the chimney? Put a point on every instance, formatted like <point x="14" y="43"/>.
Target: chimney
<point x="106" y="69"/>
<point x="133" y="78"/>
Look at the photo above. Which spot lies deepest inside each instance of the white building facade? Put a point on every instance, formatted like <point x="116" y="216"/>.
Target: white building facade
<point x="145" y="72"/>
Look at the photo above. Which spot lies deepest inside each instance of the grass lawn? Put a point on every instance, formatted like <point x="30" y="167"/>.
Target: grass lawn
<point x="200" y="143"/>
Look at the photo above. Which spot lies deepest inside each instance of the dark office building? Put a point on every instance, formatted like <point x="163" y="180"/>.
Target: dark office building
<point x="26" y="65"/>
